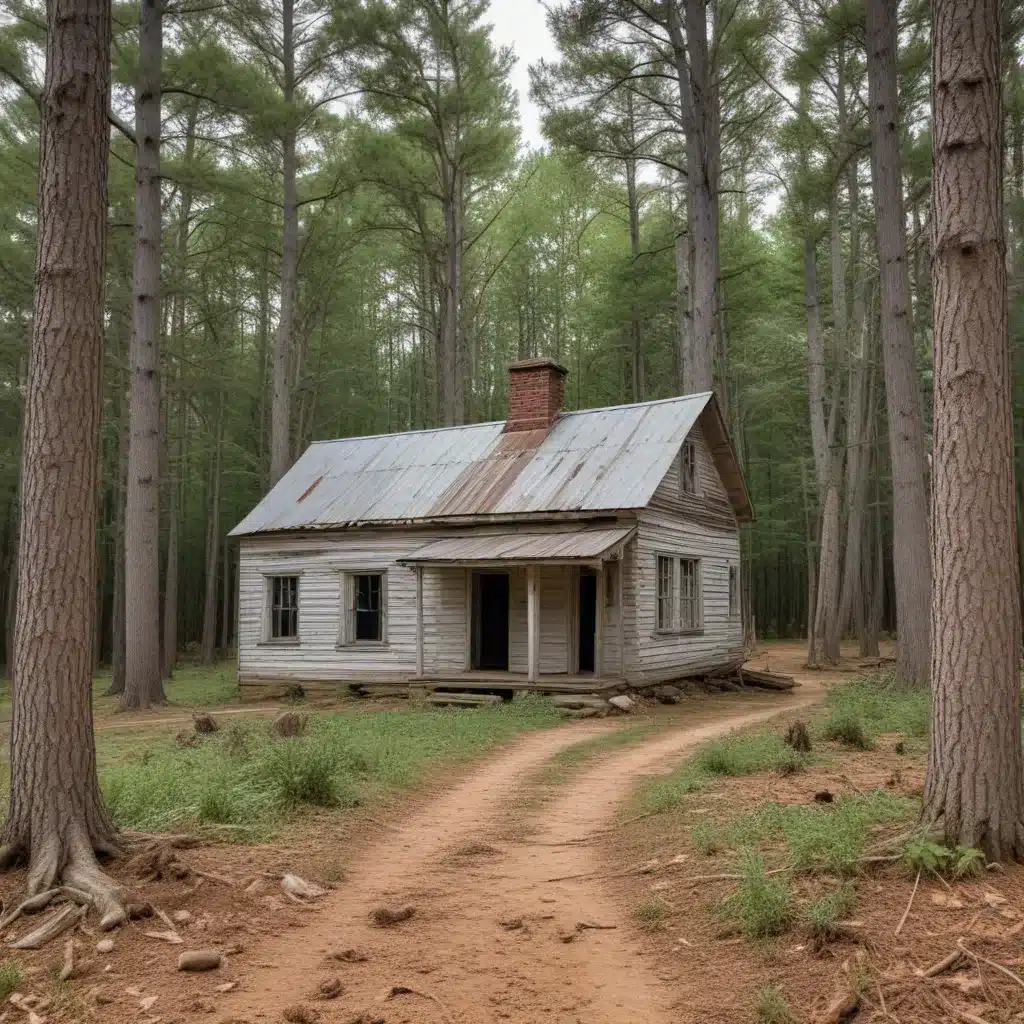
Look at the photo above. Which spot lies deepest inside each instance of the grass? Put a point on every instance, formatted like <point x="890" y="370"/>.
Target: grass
<point x="564" y="764"/>
<point x="651" y="914"/>
<point x="10" y="979"/>
<point x="862" y="710"/>
<point x="771" y="1007"/>
<point x="731" y="756"/>
<point x="250" y="783"/>
<point x="824" y="914"/>
<point x="761" y="905"/>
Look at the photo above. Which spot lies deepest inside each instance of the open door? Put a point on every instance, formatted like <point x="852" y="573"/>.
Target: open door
<point x="588" y="620"/>
<point x="490" y="621"/>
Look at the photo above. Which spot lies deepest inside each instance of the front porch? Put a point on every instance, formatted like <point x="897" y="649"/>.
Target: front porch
<point x="539" y="612"/>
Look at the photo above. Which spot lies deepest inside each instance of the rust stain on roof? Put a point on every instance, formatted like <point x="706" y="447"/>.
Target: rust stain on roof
<point x="309" y="490"/>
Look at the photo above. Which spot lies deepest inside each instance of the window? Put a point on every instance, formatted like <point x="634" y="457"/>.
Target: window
<point x="734" y="591"/>
<point x="365" y="602"/>
<point x="688" y="468"/>
<point x="689" y="594"/>
<point x="611" y="584"/>
<point x="284" y="607"/>
<point x="665" y="588"/>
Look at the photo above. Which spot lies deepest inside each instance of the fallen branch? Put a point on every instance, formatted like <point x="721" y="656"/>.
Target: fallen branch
<point x="59" y="923"/>
<point x="942" y="965"/>
<point x="407" y="990"/>
<point x="68" y="969"/>
<point x="573" y="878"/>
<point x="729" y="877"/>
<point x="214" y="878"/>
<point x="985" y="960"/>
<point x="906" y="913"/>
<point x="593" y="926"/>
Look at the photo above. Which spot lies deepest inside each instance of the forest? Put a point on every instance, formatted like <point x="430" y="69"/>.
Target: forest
<point x="323" y="221"/>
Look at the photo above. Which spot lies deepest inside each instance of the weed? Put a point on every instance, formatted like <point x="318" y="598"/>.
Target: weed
<point x="651" y="914"/>
<point x="824" y="914"/>
<point x="848" y="728"/>
<point x="761" y="905"/>
<point x="921" y="854"/>
<point x="705" y="838"/>
<point x="332" y="872"/>
<point x="771" y="1006"/>
<point x="883" y="706"/>
<point x="238" y="739"/>
<point x="301" y="772"/>
<point x="747" y="755"/>
<point x="10" y="979"/>
<point x="294" y="694"/>
<point x="799" y="738"/>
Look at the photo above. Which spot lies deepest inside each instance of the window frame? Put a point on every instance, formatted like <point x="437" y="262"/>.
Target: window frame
<point x="734" y="591"/>
<point x="664" y="600"/>
<point x="694" y="600"/>
<point x="347" y="611"/>
<point x="689" y="474"/>
<point x="269" y="581"/>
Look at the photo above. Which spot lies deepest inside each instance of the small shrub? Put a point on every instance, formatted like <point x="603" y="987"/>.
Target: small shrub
<point x="10" y="979"/>
<point x="332" y="873"/>
<point x="302" y="773"/>
<point x="823" y="915"/>
<point x="771" y="1006"/>
<point x="651" y="914"/>
<point x="849" y="729"/>
<point x="799" y="738"/>
<point x="705" y="838"/>
<point x="216" y="805"/>
<point x="921" y="854"/>
<point x="294" y="693"/>
<point x="238" y="740"/>
<point x="747" y="755"/>
<point x="761" y="906"/>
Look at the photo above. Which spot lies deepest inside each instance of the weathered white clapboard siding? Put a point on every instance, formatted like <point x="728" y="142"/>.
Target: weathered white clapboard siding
<point x="720" y="641"/>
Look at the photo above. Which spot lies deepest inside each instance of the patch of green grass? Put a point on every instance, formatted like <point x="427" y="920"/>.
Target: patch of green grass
<point x="846" y="727"/>
<point x="824" y="914"/>
<point x="880" y="706"/>
<point x="564" y="764"/>
<point x="10" y="979"/>
<point x="761" y="905"/>
<point x="247" y="780"/>
<point x="651" y="914"/>
<point x="743" y="754"/>
<point x="771" y="1006"/>
<point x="706" y="838"/>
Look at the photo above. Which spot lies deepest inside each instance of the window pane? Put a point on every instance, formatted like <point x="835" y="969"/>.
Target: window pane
<point x="284" y="607"/>
<point x="664" y="593"/>
<point x="369" y="618"/>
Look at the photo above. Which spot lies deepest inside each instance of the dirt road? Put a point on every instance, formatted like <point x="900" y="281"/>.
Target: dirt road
<point x="496" y="934"/>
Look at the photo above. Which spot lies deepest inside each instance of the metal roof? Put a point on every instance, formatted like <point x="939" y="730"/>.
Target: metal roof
<point x="578" y="545"/>
<point x="590" y="461"/>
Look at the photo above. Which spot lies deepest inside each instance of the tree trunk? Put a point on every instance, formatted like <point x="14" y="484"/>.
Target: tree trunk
<point x="911" y="545"/>
<point x="975" y="779"/>
<point x="682" y="301"/>
<point x="698" y="94"/>
<point x="281" y="404"/>
<point x="118" y="645"/>
<point x="452" y="392"/>
<point x="56" y="815"/>
<point x="225" y="607"/>
<point x="209" y="645"/>
<point x="143" y="676"/>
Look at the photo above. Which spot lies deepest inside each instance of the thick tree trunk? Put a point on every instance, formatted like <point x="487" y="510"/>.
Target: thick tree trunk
<point x="911" y="546"/>
<point x="118" y="640"/>
<point x="975" y="779"/>
<point x="284" y="341"/>
<point x="452" y="391"/>
<point x="636" y="325"/>
<point x="143" y="676"/>
<point x="225" y="605"/>
<point x="56" y="815"/>
<point x="698" y="93"/>
<point x="682" y="301"/>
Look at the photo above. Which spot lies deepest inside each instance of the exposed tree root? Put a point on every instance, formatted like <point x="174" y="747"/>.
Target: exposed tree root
<point x="53" y="926"/>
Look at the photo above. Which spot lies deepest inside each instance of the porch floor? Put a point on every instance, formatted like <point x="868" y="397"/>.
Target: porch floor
<point x="545" y="683"/>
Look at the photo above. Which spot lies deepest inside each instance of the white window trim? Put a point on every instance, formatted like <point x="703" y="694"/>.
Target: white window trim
<point x="268" y="615"/>
<point x="346" y="626"/>
<point x="658" y="627"/>
<point x="676" y="628"/>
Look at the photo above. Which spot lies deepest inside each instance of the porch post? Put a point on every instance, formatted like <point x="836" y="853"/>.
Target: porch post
<point x="419" y="621"/>
<point x="622" y="616"/>
<point x="532" y="623"/>
<point x="602" y="583"/>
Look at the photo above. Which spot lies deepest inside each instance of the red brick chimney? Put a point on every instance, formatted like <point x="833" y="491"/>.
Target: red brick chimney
<point x="536" y="388"/>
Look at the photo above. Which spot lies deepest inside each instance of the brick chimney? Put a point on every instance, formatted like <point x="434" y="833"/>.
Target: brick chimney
<point x="536" y="388"/>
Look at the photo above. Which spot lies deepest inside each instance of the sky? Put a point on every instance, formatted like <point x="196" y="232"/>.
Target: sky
<point x="522" y="25"/>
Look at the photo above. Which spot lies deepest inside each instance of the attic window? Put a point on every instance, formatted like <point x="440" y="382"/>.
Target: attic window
<point x="688" y="468"/>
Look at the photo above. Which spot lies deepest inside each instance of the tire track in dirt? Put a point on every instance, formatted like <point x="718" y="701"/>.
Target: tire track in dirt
<point x="488" y="942"/>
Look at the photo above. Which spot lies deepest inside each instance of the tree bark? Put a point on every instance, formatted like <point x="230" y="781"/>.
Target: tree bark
<point x="209" y="645"/>
<point x="975" y="778"/>
<point x="911" y="546"/>
<point x="56" y="815"/>
<point x="698" y="95"/>
<point x="452" y="390"/>
<point x="118" y="645"/>
<point x="281" y="404"/>
<point x="143" y="676"/>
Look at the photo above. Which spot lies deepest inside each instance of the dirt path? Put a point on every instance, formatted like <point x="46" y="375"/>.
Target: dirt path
<point x="488" y="941"/>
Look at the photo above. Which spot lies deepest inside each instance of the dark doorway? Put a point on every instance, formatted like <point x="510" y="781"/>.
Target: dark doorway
<point x="588" y="620"/>
<point x="490" y="621"/>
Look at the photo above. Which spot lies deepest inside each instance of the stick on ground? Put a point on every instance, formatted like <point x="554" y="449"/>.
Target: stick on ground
<point x="910" y="903"/>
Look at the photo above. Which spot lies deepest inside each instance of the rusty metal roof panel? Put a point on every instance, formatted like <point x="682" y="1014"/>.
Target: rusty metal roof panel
<point x="590" y="461"/>
<point x="565" y="546"/>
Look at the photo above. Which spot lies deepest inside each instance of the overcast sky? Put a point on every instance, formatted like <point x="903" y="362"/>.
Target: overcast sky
<point x="521" y="24"/>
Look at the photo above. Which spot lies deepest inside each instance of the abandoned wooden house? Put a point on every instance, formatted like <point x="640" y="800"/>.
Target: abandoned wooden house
<point x="556" y="551"/>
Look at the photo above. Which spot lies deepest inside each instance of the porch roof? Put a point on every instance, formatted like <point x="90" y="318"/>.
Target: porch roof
<point x="522" y="548"/>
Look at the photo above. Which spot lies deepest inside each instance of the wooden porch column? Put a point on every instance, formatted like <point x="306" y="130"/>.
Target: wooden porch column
<point x="602" y="583"/>
<point x="622" y="618"/>
<point x="532" y="624"/>
<point x="419" y="621"/>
